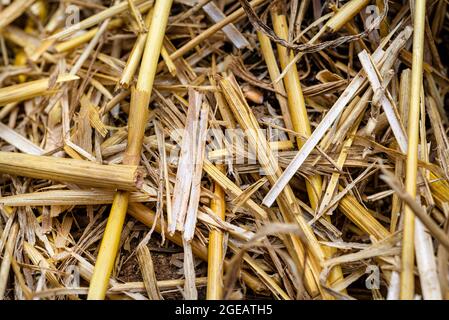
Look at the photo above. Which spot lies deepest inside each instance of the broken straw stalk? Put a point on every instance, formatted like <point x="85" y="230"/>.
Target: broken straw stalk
<point x="136" y="126"/>
<point x="97" y="18"/>
<point x="27" y="90"/>
<point x="70" y="197"/>
<point x="123" y="177"/>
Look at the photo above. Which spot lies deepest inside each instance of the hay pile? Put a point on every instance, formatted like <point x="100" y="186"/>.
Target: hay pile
<point x="224" y="149"/>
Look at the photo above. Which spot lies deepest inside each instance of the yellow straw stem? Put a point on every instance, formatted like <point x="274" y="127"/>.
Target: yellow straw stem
<point x="136" y="128"/>
<point x="30" y="89"/>
<point x="77" y="41"/>
<point x="299" y="118"/>
<point x="345" y="14"/>
<point x="296" y="103"/>
<point x="215" y="250"/>
<point x="407" y="276"/>
<point x="80" y="172"/>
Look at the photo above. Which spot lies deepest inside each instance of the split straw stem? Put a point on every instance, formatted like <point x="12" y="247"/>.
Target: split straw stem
<point x="408" y="248"/>
<point x="138" y="115"/>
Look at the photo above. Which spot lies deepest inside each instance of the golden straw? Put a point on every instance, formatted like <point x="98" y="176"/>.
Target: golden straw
<point x="408" y="248"/>
<point x="138" y="114"/>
